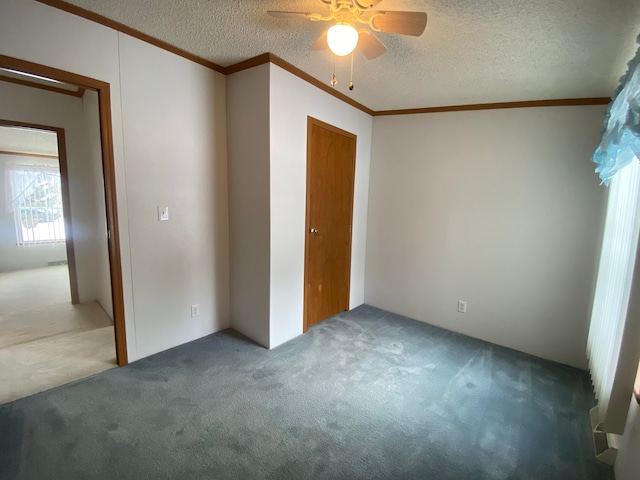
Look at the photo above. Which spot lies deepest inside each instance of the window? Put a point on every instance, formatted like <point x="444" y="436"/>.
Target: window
<point x="35" y="198"/>
<point x="611" y="353"/>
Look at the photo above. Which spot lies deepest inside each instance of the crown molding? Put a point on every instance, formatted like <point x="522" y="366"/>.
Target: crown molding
<point x="271" y="58"/>
<point x="275" y="60"/>
<point x="561" y="102"/>
<point x="247" y="64"/>
<point x="107" y="22"/>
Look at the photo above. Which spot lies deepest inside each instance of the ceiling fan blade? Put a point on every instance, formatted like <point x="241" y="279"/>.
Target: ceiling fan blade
<point x="365" y="4"/>
<point x="278" y="14"/>
<point x="369" y="45"/>
<point x="403" y="23"/>
<point x="321" y="42"/>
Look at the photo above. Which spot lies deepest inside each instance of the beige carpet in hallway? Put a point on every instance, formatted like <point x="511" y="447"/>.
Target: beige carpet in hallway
<point x="45" y="341"/>
<point x="46" y="286"/>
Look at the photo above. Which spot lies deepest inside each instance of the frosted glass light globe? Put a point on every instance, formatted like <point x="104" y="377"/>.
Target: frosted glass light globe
<point x="342" y="39"/>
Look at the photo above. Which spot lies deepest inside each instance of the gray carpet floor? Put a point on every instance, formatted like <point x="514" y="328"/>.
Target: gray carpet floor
<point x="363" y="395"/>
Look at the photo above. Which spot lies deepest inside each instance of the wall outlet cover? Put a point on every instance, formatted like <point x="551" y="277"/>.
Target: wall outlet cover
<point x="163" y="214"/>
<point x="462" y="306"/>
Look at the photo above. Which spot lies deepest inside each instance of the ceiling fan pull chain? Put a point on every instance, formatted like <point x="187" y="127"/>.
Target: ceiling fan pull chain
<point x="351" y="79"/>
<point x="334" y="80"/>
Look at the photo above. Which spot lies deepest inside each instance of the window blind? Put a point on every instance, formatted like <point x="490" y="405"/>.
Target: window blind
<point x="36" y="201"/>
<point x="609" y="319"/>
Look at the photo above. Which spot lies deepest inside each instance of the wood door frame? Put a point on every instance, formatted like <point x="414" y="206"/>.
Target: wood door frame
<point x="319" y="123"/>
<point x="66" y="202"/>
<point x="41" y="86"/>
<point x="108" y="169"/>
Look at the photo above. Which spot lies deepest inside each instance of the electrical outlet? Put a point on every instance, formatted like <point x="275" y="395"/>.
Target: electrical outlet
<point x="462" y="306"/>
<point x="195" y="310"/>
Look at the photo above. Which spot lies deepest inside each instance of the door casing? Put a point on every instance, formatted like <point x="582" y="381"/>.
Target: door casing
<point x="66" y="202"/>
<point x="108" y="167"/>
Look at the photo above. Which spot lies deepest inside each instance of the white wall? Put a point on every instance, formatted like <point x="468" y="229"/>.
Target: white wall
<point x="500" y="208"/>
<point x="458" y="209"/>
<point x="38" y="33"/>
<point x="248" y="134"/>
<point x="174" y="124"/>
<point x="31" y="105"/>
<point x="98" y="228"/>
<point x="13" y="257"/>
<point x="168" y="117"/>
<point x="627" y="463"/>
<point x="268" y="109"/>
<point x="291" y="101"/>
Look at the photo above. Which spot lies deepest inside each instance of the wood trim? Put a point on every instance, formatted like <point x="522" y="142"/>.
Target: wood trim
<point x="50" y="72"/>
<point x="66" y="203"/>
<point x="636" y="386"/>
<point x="49" y="88"/>
<point x="563" y="102"/>
<point x="34" y="155"/>
<point x="108" y="166"/>
<point x="271" y="58"/>
<point x="331" y="128"/>
<point x="249" y="63"/>
<point x="115" y="260"/>
<point x="307" y="226"/>
<point x="317" y="83"/>
<point x="107" y="22"/>
<point x="68" y="223"/>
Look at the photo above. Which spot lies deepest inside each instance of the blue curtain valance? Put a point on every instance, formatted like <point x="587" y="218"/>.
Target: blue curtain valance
<point x="620" y="142"/>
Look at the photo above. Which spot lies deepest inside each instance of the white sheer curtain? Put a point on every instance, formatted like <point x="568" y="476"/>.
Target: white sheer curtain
<point x="613" y="347"/>
<point x="35" y="198"/>
<point x="610" y="348"/>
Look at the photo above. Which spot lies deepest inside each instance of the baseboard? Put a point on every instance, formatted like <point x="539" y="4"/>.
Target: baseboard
<point x="605" y="444"/>
<point x="59" y="262"/>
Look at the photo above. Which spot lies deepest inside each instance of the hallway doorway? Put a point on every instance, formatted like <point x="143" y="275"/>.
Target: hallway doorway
<point x="53" y="330"/>
<point x="101" y="92"/>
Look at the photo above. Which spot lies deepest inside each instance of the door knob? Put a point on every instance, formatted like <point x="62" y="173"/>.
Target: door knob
<point x="314" y="231"/>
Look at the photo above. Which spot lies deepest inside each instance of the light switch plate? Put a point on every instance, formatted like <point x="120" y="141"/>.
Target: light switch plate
<point x="163" y="214"/>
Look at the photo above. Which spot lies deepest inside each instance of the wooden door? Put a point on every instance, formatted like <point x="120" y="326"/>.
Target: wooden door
<point x="331" y="163"/>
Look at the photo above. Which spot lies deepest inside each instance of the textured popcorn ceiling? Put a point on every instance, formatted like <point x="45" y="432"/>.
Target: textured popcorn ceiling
<point x="473" y="51"/>
<point x="28" y="141"/>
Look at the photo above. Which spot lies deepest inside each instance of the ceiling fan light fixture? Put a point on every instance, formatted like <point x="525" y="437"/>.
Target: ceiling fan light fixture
<point x="342" y="39"/>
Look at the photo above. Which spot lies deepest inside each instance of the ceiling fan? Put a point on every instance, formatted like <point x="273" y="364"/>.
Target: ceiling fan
<point x="342" y="37"/>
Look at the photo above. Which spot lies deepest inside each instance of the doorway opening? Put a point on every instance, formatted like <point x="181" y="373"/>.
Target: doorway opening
<point x="37" y="214"/>
<point x="40" y="228"/>
<point x="48" y="334"/>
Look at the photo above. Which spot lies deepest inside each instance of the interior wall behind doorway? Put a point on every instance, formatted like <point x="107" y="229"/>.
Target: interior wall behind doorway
<point x="80" y="120"/>
<point x="94" y="264"/>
